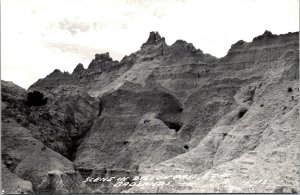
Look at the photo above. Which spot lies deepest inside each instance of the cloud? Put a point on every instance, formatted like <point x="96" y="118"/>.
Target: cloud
<point x="83" y="52"/>
<point x="73" y="27"/>
<point x="50" y="34"/>
<point x="72" y="48"/>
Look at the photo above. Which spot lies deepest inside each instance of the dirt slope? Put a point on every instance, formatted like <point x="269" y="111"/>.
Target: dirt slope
<point x="163" y="111"/>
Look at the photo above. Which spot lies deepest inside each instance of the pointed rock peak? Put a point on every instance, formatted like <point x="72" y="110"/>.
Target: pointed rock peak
<point x="185" y="46"/>
<point x="56" y="72"/>
<point x="99" y="59"/>
<point x="78" y="68"/>
<point x="103" y="57"/>
<point x="182" y="43"/>
<point x="267" y="34"/>
<point x="154" y="38"/>
<point x="238" y="44"/>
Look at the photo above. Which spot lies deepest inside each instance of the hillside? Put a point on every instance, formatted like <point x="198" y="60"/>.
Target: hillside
<point x="163" y="111"/>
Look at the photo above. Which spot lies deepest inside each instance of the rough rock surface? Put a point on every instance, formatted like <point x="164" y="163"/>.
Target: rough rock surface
<point x="161" y="111"/>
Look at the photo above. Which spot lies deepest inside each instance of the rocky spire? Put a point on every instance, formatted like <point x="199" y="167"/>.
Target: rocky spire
<point x="99" y="59"/>
<point x="78" y="68"/>
<point x="103" y="57"/>
<point x="154" y="38"/>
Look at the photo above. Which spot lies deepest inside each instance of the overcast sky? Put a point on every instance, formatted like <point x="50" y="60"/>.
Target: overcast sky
<point x="38" y="36"/>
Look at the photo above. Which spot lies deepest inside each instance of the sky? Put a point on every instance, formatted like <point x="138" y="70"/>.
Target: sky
<point x="38" y="36"/>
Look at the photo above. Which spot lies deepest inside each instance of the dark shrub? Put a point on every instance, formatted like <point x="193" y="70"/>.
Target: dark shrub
<point x="36" y="98"/>
<point x="290" y="90"/>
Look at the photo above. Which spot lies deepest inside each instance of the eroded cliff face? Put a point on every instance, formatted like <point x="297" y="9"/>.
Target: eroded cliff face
<point x="163" y="110"/>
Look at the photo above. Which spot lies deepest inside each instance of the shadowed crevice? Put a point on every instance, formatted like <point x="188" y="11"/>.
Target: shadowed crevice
<point x="170" y="122"/>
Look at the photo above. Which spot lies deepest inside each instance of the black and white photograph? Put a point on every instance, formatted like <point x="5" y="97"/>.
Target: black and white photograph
<point x="149" y="96"/>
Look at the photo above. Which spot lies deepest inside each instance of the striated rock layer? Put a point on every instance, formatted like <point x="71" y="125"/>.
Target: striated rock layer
<point x="161" y="111"/>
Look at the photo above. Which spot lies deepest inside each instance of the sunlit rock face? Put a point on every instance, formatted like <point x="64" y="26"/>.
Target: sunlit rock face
<point x="164" y="110"/>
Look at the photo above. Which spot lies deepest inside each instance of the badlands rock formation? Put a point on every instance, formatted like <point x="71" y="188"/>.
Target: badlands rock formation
<point x="163" y="111"/>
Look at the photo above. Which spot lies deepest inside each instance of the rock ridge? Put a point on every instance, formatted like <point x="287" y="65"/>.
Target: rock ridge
<point x="163" y="110"/>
